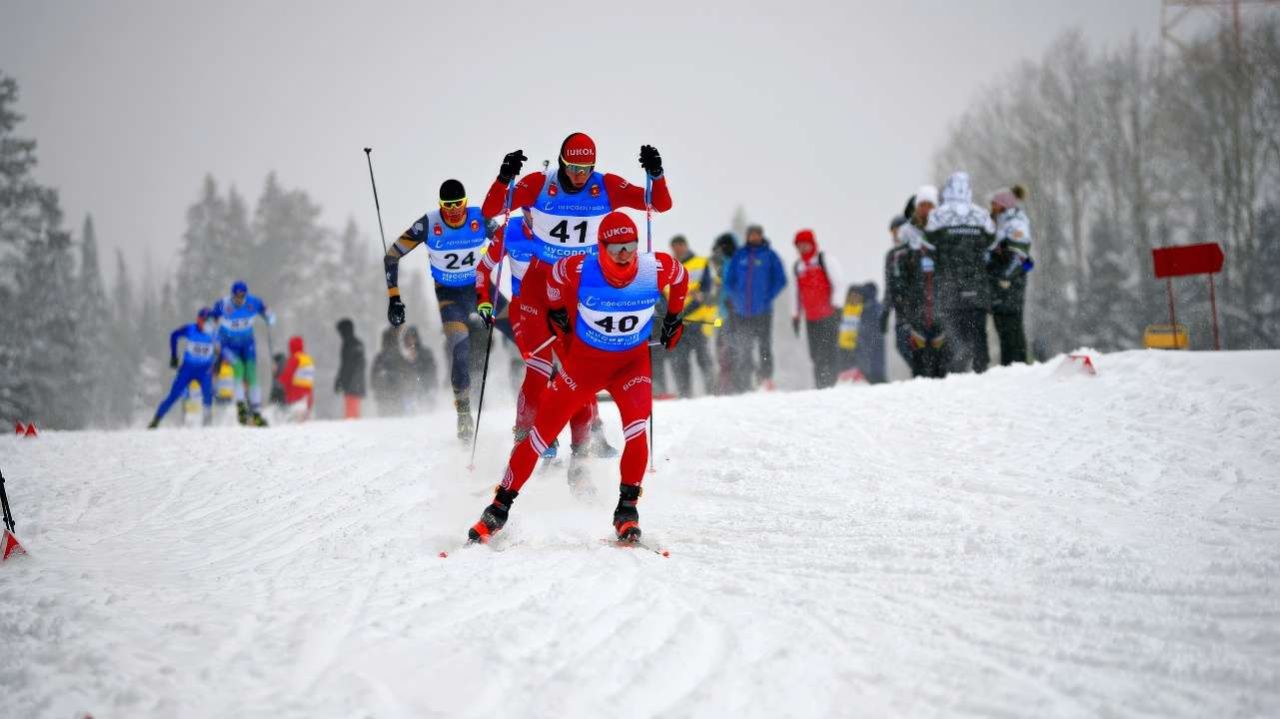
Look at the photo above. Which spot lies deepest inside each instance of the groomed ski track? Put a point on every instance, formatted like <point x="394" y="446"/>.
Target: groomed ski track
<point x="1030" y="542"/>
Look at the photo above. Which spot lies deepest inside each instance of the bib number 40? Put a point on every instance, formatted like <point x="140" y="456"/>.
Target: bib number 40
<point x="626" y="324"/>
<point x="561" y="232"/>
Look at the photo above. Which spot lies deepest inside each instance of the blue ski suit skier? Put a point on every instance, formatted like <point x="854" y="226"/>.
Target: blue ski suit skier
<point x="235" y="314"/>
<point x="198" y="359"/>
<point x="455" y="235"/>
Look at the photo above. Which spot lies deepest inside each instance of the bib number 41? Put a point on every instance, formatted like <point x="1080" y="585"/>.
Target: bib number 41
<point x="561" y="232"/>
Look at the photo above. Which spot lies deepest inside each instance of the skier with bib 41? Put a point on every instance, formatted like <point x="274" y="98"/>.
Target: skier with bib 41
<point x="601" y="308"/>
<point x="564" y="211"/>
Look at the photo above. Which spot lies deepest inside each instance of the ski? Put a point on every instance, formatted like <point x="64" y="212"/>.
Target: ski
<point x="623" y="544"/>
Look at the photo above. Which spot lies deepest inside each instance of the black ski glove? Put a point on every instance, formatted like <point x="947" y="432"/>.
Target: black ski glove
<point x="651" y="161"/>
<point x="558" y="321"/>
<point x="173" y="363"/>
<point x="511" y="165"/>
<point x="672" y="330"/>
<point x="395" y="311"/>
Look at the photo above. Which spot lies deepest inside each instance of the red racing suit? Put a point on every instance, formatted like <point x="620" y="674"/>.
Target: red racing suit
<point x="528" y="315"/>
<point x="625" y="374"/>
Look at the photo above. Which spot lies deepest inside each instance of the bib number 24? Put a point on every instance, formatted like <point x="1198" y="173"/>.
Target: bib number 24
<point x="561" y="232"/>
<point x="454" y="261"/>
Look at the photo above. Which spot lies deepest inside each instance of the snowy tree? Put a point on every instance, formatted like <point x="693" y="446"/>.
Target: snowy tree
<point x="93" y="312"/>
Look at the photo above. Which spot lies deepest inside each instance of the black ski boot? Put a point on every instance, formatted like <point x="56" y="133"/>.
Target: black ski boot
<point x="626" y="520"/>
<point x="257" y="420"/>
<point x="580" y="485"/>
<point x="493" y="518"/>
<point x="154" y="423"/>
<point x="242" y="412"/>
<point x="466" y="426"/>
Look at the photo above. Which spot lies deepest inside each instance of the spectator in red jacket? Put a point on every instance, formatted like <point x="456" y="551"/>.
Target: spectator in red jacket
<point x="816" y="283"/>
<point x="298" y="378"/>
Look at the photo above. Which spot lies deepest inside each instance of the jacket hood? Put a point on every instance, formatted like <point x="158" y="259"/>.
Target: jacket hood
<point x="295" y="344"/>
<point x="726" y="244"/>
<point x="870" y="292"/>
<point x="807" y="236"/>
<point x="957" y="189"/>
<point x="346" y="328"/>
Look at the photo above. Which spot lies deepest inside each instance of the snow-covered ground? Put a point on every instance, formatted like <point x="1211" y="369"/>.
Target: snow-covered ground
<point x="1024" y="543"/>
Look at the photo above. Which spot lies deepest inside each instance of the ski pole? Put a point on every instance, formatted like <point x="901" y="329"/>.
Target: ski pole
<point x="368" y="156"/>
<point x="4" y="501"/>
<point x="648" y="247"/>
<point x="714" y="323"/>
<point x="488" y="347"/>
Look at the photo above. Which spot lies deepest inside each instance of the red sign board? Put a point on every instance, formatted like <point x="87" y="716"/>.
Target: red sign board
<point x="1205" y="258"/>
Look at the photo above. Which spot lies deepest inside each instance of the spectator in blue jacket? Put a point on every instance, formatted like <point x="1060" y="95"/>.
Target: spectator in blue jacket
<point x="753" y="279"/>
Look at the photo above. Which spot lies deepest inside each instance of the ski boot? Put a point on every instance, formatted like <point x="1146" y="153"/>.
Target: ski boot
<point x="626" y="520"/>
<point x="580" y="485"/>
<point x="493" y="518"/>
<point x="600" y="447"/>
<point x="155" y="422"/>
<point x="257" y="420"/>
<point x="466" y="426"/>
<point x="242" y="412"/>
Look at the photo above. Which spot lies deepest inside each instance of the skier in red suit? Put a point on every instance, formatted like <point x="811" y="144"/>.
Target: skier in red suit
<point x="562" y="211"/>
<point x="601" y="308"/>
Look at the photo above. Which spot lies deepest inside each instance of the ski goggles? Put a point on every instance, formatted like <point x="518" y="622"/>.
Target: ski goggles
<point x="453" y="204"/>
<point x="618" y="248"/>
<point x="574" y="169"/>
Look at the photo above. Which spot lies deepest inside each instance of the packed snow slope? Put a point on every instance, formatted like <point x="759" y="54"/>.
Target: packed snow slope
<point x="1031" y="542"/>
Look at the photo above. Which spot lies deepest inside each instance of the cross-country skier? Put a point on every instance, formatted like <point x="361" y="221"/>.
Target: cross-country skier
<point x="198" y="357"/>
<point x="235" y="313"/>
<point x="455" y="235"/>
<point x="601" y="306"/>
<point x="565" y="210"/>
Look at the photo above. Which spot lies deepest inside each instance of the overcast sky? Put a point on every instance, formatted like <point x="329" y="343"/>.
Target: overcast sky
<point x="819" y="115"/>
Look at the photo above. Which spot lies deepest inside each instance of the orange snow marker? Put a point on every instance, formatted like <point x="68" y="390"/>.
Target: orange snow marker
<point x="1085" y="362"/>
<point x="31" y="430"/>
<point x="11" y="546"/>
<point x="19" y="428"/>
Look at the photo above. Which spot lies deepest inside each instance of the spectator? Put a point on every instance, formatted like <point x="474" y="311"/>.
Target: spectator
<point x="693" y="346"/>
<point x="917" y="264"/>
<point x="421" y="378"/>
<point x="753" y="279"/>
<point x="815" y="290"/>
<point x="916" y="213"/>
<point x="350" y="381"/>
<point x="298" y="378"/>
<point x="1010" y="261"/>
<point x="962" y="232"/>
<point x="869" y="350"/>
<point x="388" y="374"/>
<point x="712" y="287"/>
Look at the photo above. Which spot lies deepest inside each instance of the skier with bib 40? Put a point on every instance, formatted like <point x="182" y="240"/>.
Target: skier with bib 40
<point x="601" y="308"/>
<point x="565" y="209"/>
<point x="455" y="235"/>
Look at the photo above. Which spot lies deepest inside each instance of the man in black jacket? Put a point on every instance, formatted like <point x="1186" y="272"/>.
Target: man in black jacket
<point x="963" y="232"/>
<point x="350" y="380"/>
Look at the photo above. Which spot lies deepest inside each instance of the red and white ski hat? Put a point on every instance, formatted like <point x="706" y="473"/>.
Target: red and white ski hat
<point x="578" y="149"/>
<point x="617" y="228"/>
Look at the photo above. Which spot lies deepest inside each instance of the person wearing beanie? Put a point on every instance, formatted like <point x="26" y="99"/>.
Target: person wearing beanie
<point x="298" y="379"/>
<point x="694" y="348"/>
<point x="350" y="382"/>
<point x="563" y="210"/>
<point x="815" y="301"/>
<point x="455" y="234"/>
<point x="1008" y="267"/>
<point x="234" y="315"/>
<point x="712" y="286"/>
<point x="894" y="291"/>
<point x="197" y="364"/>
<point x="963" y="232"/>
<point x="753" y="280"/>
<point x="600" y="308"/>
